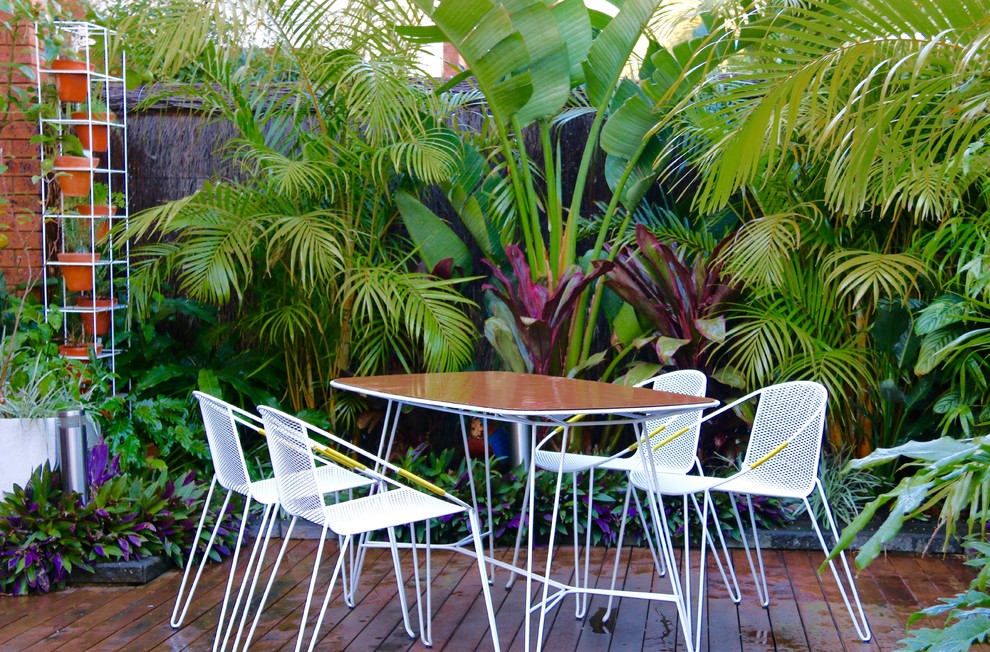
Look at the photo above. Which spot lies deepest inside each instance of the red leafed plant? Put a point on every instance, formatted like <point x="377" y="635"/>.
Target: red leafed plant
<point x="681" y="302"/>
<point x="530" y="320"/>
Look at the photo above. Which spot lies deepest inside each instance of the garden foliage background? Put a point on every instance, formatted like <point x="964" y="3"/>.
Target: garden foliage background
<point x="781" y="191"/>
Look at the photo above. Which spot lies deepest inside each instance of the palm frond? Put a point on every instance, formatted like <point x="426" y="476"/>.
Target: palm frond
<point x="312" y="245"/>
<point x="894" y="118"/>
<point x="763" y="247"/>
<point x="431" y="155"/>
<point x="861" y="272"/>
<point x="426" y="310"/>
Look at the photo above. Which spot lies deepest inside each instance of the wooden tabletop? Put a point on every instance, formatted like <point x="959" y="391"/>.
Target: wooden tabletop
<point x="509" y="393"/>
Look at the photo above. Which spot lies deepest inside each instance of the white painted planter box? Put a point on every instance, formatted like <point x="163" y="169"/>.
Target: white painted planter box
<point x="25" y="444"/>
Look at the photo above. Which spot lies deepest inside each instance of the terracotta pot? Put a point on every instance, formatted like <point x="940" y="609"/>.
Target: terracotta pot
<point x="94" y="137"/>
<point x="77" y="177"/>
<point x="96" y="323"/>
<point x="77" y="350"/>
<point x="79" y="275"/>
<point x="102" y="226"/>
<point x="72" y="79"/>
<point x="476" y="448"/>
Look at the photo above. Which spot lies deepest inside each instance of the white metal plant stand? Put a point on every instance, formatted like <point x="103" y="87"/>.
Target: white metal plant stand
<point x="110" y="275"/>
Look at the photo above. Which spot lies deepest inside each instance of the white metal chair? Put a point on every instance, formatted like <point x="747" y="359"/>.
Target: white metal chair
<point x="392" y="504"/>
<point x="221" y="421"/>
<point x="674" y="443"/>
<point x="781" y="461"/>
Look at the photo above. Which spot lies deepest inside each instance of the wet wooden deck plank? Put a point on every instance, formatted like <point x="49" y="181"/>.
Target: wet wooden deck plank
<point x="108" y="619"/>
<point x="786" y="620"/>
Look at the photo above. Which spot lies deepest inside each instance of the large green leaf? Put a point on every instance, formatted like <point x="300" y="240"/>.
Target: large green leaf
<point x="574" y="23"/>
<point x="612" y="48"/>
<point x="435" y="239"/>
<point x="628" y="126"/>
<point x="548" y="59"/>
<point x="483" y="34"/>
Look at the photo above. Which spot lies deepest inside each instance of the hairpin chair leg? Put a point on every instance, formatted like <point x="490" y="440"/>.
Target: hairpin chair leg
<point x="661" y="529"/>
<point x="658" y="562"/>
<point x="249" y="571"/>
<point x="758" y="578"/>
<point x="326" y="599"/>
<point x="231" y="573"/>
<point x="858" y="615"/>
<point x="182" y="605"/>
<point x="425" y="626"/>
<point x="312" y="588"/>
<point x="399" y="581"/>
<point x="480" y="551"/>
<point x="271" y="580"/>
<point x="726" y="570"/>
<point x="348" y="585"/>
<point x="254" y="579"/>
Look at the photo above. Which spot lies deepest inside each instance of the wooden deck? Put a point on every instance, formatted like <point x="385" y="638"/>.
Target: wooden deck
<point x="805" y="613"/>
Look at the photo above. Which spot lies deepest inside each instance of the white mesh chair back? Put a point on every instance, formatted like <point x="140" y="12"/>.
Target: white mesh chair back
<point x="794" y="409"/>
<point x="677" y="455"/>
<point x="294" y="467"/>
<point x="225" y="445"/>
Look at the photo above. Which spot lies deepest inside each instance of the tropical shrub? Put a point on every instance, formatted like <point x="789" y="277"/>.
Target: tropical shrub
<point x="157" y="423"/>
<point x="304" y="246"/>
<point x="45" y="533"/>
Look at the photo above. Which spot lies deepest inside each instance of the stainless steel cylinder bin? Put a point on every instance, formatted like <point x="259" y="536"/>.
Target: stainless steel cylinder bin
<point x="73" y="452"/>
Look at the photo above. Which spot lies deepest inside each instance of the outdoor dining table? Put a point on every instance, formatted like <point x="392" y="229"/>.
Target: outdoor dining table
<point x="545" y="407"/>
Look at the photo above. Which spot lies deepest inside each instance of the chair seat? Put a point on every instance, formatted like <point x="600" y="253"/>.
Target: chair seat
<point x="626" y="464"/>
<point x="329" y="479"/>
<point x="550" y="461"/>
<point x="675" y="484"/>
<point x="573" y="462"/>
<point x="386" y="509"/>
<point x="671" y="484"/>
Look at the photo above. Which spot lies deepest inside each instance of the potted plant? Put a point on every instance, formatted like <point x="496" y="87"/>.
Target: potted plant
<point x="77" y="258"/>
<point x="80" y="342"/>
<point x="103" y="202"/>
<point x="75" y="174"/>
<point x="35" y="384"/>
<point x="96" y="322"/>
<point x="72" y="79"/>
<point x="94" y="132"/>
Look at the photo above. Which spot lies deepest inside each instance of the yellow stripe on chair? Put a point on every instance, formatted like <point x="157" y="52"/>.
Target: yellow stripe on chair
<point x="766" y="458"/>
<point x="633" y="446"/>
<point x="408" y="475"/>
<point x="667" y="440"/>
<point x="338" y="457"/>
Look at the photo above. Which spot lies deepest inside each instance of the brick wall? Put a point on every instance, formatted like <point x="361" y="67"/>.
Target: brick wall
<point x="20" y="259"/>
